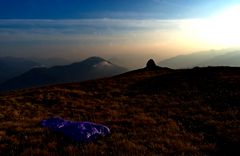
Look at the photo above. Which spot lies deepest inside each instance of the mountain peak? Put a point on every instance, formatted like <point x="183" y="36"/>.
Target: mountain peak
<point x="94" y="59"/>
<point x="91" y="68"/>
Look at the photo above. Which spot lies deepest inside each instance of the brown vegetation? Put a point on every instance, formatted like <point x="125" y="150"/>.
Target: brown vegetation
<point x="159" y="112"/>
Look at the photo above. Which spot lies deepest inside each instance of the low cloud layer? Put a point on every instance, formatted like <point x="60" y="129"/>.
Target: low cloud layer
<point x="110" y="38"/>
<point x="77" y="33"/>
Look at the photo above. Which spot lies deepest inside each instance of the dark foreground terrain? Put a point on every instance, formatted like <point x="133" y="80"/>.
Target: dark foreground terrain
<point x="150" y="112"/>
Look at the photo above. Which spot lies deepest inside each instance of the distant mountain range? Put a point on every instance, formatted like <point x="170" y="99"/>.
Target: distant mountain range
<point x="203" y="59"/>
<point x="91" y="68"/>
<point x="16" y="73"/>
<point x="12" y="66"/>
<point x="50" y="62"/>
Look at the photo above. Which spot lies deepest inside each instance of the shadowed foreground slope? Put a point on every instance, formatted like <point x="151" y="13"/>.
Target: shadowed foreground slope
<point x="150" y="112"/>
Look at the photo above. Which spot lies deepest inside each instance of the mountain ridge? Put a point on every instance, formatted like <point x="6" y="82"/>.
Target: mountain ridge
<point x="79" y="71"/>
<point x="14" y="66"/>
<point x="203" y="59"/>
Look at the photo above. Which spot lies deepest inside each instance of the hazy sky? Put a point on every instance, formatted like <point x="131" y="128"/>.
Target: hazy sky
<point x="116" y="28"/>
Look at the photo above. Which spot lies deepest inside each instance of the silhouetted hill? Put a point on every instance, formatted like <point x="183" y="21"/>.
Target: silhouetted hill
<point x="204" y="59"/>
<point x="150" y="112"/>
<point x="50" y="62"/>
<point x="13" y="66"/>
<point x="228" y="59"/>
<point x="91" y="68"/>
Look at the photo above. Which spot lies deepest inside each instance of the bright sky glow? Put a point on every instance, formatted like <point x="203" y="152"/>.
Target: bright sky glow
<point x="222" y="29"/>
<point x="76" y="29"/>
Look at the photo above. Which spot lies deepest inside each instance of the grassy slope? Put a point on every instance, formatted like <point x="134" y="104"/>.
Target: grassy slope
<point x="163" y="112"/>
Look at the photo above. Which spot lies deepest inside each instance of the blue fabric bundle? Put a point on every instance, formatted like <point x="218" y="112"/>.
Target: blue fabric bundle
<point x="78" y="131"/>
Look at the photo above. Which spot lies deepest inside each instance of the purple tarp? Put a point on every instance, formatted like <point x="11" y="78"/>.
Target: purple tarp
<point x="78" y="131"/>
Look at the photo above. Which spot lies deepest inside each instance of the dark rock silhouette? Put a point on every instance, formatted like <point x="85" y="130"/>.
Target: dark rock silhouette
<point x="151" y="64"/>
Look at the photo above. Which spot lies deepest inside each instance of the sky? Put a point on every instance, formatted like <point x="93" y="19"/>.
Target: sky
<point x="76" y="29"/>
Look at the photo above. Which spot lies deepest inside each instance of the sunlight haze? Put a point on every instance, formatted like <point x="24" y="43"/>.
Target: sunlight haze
<point x="110" y="29"/>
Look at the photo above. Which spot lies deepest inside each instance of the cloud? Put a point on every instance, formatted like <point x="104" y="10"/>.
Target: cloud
<point x="85" y="37"/>
<point x="79" y="29"/>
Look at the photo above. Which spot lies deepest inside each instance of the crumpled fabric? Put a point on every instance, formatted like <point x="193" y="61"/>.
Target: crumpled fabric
<point x="77" y="131"/>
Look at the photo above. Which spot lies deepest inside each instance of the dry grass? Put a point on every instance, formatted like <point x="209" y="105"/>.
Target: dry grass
<point x="163" y="112"/>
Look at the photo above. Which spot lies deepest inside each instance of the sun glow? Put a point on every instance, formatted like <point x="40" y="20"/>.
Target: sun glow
<point x="222" y="29"/>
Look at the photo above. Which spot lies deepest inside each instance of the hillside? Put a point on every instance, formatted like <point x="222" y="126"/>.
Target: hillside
<point x="13" y="66"/>
<point x="204" y="59"/>
<point x="149" y="112"/>
<point x="52" y="61"/>
<point x="91" y="68"/>
<point x="228" y="59"/>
